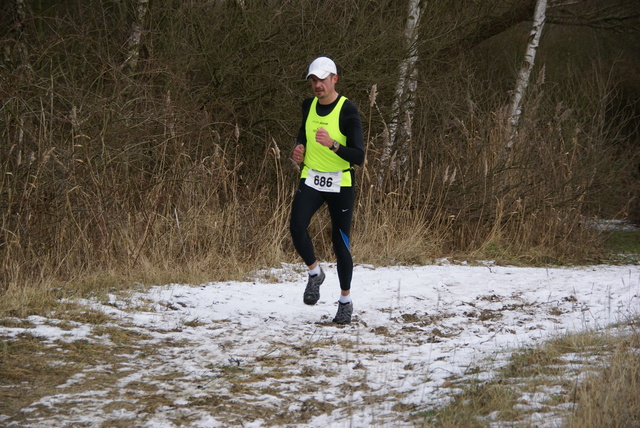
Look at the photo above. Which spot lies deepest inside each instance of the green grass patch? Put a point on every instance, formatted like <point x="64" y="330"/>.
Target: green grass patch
<point x="623" y="245"/>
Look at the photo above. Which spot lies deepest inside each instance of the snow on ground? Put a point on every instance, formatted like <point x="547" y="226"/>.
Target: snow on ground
<point x="252" y="354"/>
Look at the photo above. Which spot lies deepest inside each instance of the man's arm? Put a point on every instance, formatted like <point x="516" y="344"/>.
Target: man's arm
<point x="301" y="139"/>
<point x="351" y="127"/>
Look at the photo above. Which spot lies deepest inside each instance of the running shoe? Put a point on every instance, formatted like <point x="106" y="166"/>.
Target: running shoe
<point x="312" y="292"/>
<point x="344" y="313"/>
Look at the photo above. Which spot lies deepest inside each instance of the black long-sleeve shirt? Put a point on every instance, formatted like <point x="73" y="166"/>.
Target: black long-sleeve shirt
<point x="350" y="126"/>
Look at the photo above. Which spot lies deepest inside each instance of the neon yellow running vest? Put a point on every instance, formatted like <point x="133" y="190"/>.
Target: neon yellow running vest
<point x="316" y="155"/>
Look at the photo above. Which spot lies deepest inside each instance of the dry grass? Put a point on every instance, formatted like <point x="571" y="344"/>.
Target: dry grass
<point x="611" y="395"/>
<point x="560" y="380"/>
<point x="202" y="224"/>
<point x="588" y="379"/>
<point x="31" y="368"/>
<point x="180" y="173"/>
<point x="110" y="180"/>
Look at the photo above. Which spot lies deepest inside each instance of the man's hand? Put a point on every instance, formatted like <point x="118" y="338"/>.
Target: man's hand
<point x="298" y="153"/>
<point x="322" y="137"/>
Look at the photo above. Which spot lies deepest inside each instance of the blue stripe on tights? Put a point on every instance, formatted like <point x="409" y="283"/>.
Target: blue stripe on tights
<point x="345" y="238"/>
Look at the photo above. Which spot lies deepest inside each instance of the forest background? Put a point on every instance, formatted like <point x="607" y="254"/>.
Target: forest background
<point x="149" y="141"/>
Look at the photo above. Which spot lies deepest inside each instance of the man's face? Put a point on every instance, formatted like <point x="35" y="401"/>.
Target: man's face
<point x="324" y="89"/>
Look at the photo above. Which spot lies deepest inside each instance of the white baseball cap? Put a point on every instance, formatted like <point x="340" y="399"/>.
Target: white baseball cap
<point x="321" y="67"/>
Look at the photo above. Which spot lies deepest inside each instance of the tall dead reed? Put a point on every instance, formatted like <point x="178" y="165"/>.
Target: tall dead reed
<point x="608" y="396"/>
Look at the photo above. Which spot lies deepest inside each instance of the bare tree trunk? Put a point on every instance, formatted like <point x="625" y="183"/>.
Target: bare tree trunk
<point x="403" y="101"/>
<point x="621" y="16"/>
<point x="135" y="38"/>
<point x="515" y="107"/>
<point x="15" y="55"/>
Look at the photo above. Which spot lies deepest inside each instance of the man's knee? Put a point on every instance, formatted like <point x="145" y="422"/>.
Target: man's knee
<point x="341" y="241"/>
<point x="296" y="229"/>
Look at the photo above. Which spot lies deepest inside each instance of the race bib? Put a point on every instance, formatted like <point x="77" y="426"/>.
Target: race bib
<point x="324" y="181"/>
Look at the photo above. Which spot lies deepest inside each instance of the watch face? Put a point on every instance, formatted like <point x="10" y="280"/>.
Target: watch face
<point x="335" y="144"/>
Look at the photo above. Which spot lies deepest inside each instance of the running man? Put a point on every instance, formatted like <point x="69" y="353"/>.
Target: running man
<point x="329" y="142"/>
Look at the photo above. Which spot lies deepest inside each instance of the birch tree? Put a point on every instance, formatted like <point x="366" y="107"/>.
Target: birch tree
<point x="515" y="107"/>
<point x="399" y="130"/>
<point x="134" y="44"/>
<point x="15" y="53"/>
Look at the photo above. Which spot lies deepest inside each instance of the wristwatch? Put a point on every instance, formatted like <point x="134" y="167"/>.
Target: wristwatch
<point x="335" y="145"/>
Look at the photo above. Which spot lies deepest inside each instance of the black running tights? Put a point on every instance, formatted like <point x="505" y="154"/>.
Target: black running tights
<point x="306" y="203"/>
